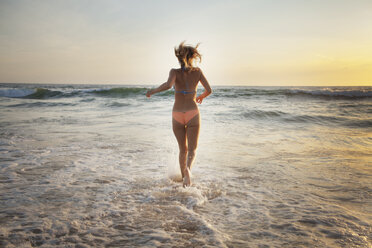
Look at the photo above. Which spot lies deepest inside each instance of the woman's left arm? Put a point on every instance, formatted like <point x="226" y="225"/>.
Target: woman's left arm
<point x="165" y="86"/>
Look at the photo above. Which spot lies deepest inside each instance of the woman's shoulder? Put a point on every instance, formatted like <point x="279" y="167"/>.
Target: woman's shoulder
<point x="174" y="70"/>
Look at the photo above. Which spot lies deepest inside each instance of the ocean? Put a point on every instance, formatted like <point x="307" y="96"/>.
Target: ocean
<point x="90" y="166"/>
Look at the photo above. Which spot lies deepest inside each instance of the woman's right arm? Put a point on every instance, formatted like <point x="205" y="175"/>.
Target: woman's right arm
<point x="165" y="86"/>
<point x="206" y="86"/>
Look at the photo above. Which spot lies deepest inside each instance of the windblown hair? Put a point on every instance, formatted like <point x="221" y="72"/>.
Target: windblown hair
<point x="186" y="55"/>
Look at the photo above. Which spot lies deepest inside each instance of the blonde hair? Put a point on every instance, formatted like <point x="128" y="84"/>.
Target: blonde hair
<point x="186" y="55"/>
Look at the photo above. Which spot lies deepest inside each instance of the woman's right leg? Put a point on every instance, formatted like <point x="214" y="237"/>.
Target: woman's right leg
<point x="192" y="134"/>
<point x="179" y="131"/>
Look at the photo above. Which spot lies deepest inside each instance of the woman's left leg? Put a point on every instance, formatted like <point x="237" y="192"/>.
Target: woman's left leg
<point x="180" y="133"/>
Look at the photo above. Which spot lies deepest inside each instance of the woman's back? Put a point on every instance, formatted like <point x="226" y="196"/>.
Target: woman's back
<point x="187" y="80"/>
<point x="185" y="86"/>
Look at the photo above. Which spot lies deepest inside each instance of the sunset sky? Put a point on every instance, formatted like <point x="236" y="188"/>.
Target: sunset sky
<point x="246" y="42"/>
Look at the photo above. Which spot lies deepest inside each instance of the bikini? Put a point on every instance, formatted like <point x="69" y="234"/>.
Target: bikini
<point x="184" y="117"/>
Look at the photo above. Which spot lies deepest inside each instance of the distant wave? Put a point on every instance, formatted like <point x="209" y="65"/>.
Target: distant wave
<point x="331" y="93"/>
<point x="229" y="92"/>
<point x="16" y="92"/>
<point x="312" y="119"/>
<point x="120" y="92"/>
<point x="37" y="93"/>
<point x="43" y="93"/>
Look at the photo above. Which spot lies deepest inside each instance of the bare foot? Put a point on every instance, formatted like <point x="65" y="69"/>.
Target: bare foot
<point x="187" y="178"/>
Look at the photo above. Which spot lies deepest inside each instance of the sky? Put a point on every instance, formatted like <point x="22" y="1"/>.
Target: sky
<point x="243" y="42"/>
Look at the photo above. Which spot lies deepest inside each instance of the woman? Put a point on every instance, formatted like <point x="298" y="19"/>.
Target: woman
<point x="186" y="117"/>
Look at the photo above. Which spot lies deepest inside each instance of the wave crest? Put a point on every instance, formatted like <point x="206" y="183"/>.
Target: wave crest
<point x="16" y="92"/>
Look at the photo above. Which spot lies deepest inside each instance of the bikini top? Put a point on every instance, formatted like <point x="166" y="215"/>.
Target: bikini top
<point x="184" y="91"/>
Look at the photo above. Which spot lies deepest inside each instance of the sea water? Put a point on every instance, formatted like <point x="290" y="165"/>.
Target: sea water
<point x="90" y="165"/>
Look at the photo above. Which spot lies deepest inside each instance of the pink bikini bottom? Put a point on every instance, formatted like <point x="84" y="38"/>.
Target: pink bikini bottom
<point x="184" y="117"/>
